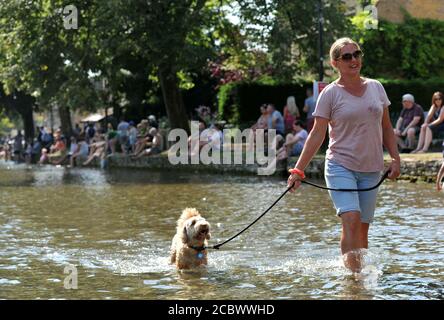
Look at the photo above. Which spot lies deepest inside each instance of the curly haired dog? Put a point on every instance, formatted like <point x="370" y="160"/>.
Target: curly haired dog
<point x="188" y="249"/>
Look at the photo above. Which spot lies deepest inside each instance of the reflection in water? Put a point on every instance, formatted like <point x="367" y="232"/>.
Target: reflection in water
<point x="116" y="227"/>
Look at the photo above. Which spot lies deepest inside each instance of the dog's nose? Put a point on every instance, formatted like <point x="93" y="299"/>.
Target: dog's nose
<point x="204" y="229"/>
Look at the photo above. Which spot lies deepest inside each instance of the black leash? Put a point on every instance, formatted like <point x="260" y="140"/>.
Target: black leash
<point x="217" y="246"/>
<point x="349" y="190"/>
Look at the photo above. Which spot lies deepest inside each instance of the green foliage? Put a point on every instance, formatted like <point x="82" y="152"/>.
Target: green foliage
<point x="411" y="50"/>
<point x="294" y="38"/>
<point x="227" y="107"/>
<point x="41" y="57"/>
<point x="6" y="125"/>
<point x="239" y="102"/>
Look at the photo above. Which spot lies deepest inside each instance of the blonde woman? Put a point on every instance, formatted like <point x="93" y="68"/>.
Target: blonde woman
<point x="355" y="110"/>
<point x="291" y="114"/>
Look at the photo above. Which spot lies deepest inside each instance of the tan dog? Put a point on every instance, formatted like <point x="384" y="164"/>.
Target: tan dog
<point x="188" y="249"/>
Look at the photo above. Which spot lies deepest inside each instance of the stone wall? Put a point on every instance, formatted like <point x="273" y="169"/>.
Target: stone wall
<point x="411" y="169"/>
<point x="390" y="10"/>
<point x="160" y="162"/>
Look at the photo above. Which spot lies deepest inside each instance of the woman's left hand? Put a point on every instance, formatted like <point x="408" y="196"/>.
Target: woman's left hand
<point x="395" y="169"/>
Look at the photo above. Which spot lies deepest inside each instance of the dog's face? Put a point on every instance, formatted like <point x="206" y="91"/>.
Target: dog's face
<point x="197" y="229"/>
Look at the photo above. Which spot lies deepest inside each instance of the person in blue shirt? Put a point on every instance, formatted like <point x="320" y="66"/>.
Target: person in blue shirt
<point x="275" y="120"/>
<point x="309" y="107"/>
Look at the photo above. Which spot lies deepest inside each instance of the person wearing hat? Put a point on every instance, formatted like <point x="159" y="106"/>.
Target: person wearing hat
<point x="409" y="122"/>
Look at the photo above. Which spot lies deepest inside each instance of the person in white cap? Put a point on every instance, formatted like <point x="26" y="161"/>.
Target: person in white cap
<point x="409" y="122"/>
<point x="153" y="122"/>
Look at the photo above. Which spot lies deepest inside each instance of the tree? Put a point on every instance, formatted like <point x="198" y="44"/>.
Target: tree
<point x="22" y="104"/>
<point x="172" y="37"/>
<point x="41" y="58"/>
<point x="409" y="50"/>
<point x="290" y="29"/>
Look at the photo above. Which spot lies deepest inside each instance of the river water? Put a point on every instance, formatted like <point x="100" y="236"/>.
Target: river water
<point x="115" y="227"/>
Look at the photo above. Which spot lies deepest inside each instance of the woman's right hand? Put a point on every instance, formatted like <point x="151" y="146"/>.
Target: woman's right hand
<point x="295" y="181"/>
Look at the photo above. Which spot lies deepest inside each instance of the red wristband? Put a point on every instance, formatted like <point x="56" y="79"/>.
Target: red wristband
<point x="300" y="173"/>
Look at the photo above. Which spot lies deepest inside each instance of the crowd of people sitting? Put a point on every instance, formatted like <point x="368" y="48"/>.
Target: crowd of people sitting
<point x="85" y="144"/>
<point x="415" y="129"/>
<point x="291" y="131"/>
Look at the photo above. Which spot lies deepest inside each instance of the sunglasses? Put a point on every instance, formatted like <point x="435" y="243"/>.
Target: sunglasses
<point x="348" y="56"/>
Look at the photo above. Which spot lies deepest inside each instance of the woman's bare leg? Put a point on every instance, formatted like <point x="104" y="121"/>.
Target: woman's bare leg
<point x="351" y="240"/>
<point x="428" y="139"/>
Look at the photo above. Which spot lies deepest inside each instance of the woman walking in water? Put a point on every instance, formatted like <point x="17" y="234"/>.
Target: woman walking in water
<point x="355" y="110"/>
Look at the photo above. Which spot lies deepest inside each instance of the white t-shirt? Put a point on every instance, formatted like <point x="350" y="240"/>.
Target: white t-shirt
<point x="72" y="148"/>
<point x="216" y="139"/>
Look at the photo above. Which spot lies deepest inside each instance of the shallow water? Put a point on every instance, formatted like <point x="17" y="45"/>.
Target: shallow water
<point x="116" y="227"/>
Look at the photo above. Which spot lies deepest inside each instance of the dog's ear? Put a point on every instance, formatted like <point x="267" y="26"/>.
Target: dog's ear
<point x="184" y="235"/>
<point x="208" y="236"/>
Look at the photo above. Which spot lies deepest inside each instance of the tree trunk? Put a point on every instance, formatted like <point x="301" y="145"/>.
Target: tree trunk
<point x="65" y="121"/>
<point x="173" y="99"/>
<point x="24" y="105"/>
<point x="117" y="112"/>
<point x="28" y="123"/>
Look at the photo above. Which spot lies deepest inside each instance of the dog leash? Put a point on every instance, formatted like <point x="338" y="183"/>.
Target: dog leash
<point x="217" y="246"/>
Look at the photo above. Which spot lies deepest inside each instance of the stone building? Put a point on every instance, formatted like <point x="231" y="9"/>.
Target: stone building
<point x="391" y="10"/>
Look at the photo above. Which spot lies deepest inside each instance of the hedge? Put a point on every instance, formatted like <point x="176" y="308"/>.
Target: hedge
<point x="239" y="102"/>
<point x="421" y="89"/>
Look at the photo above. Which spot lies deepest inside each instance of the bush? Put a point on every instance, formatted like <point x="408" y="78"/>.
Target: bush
<point x="422" y="90"/>
<point x="409" y="50"/>
<point x="239" y="102"/>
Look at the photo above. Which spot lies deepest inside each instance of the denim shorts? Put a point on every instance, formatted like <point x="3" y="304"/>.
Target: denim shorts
<point x="339" y="177"/>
